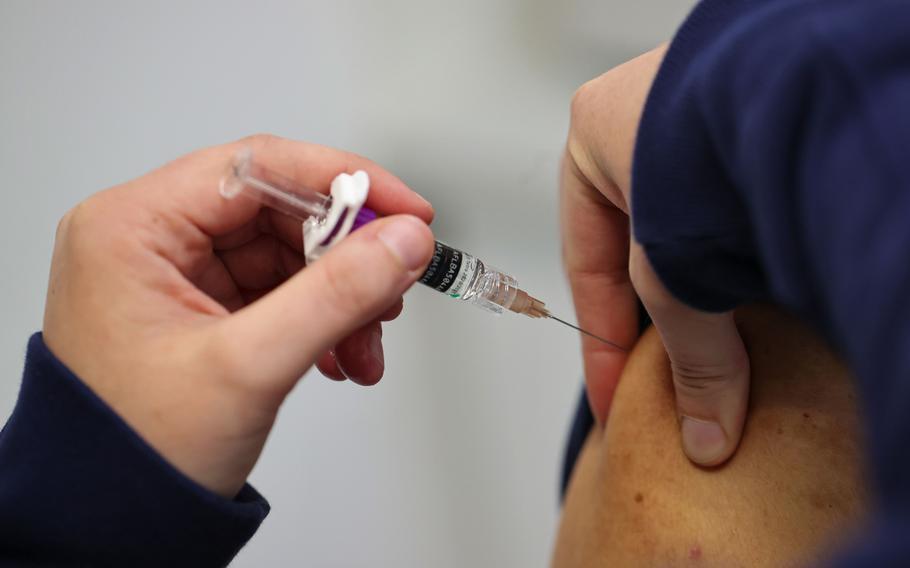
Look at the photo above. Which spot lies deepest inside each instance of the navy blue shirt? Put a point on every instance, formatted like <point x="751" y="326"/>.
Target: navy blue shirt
<point x="773" y="162"/>
<point x="78" y="487"/>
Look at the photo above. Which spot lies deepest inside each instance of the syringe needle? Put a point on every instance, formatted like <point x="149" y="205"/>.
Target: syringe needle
<point x="589" y="334"/>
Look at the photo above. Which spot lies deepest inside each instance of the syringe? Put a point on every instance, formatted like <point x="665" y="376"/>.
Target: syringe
<point x="451" y="271"/>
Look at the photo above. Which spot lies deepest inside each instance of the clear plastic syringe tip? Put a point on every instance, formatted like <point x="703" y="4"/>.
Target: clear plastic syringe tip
<point x="246" y="176"/>
<point x="496" y="290"/>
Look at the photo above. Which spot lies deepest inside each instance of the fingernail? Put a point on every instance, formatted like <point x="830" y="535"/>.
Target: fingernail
<point x="376" y="346"/>
<point x="703" y="441"/>
<point x="404" y="238"/>
<point x="424" y="199"/>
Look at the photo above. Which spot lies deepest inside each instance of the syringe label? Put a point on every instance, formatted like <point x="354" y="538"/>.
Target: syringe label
<point x="443" y="268"/>
<point x="464" y="277"/>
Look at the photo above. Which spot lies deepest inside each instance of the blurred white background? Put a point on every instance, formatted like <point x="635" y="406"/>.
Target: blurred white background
<point x="453" y="459"/>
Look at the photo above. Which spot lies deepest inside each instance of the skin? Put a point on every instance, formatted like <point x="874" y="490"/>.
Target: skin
<point x="790" y="496"/>
<point x="191" y="316"/>
<point x="608" y="272"/>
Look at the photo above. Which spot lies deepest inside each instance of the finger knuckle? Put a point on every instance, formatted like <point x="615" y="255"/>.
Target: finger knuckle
<point x="259" y="140"/>
<point x="581" y="101"/>
<point x="696" y="381"/>
<point x="592" y="94"/>
<point x="79" y="217"/>
<point x="63" y="225"/>
<point x="703" y="380"/>
<point x="82" y="227"/>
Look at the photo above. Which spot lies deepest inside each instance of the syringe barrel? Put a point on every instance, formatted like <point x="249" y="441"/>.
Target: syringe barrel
<point x="461" y="275"/>
<point x="246" y="176"/>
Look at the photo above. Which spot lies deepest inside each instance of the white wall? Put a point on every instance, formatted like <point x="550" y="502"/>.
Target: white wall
<point x="453" y="459"/>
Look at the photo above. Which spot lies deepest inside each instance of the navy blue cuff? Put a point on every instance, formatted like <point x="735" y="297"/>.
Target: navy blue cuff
<point x="79" y="487"/>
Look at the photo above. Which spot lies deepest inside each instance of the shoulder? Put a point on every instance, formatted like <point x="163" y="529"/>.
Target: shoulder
<point x="794" y="486"/>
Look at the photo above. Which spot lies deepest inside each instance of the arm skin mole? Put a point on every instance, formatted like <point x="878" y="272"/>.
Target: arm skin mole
<point x="791" y="494"/>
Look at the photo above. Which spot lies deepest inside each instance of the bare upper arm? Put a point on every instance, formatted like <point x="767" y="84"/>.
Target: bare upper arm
<point x="793" y="487"/>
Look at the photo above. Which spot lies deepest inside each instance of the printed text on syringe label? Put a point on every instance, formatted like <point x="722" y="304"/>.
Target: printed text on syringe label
<point x="464" y="277"/>
<point x="450" y="271"/>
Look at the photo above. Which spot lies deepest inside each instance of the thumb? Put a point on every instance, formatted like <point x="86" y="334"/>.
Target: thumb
<point x="710" y="368"/>
<point x="277" y="338"/>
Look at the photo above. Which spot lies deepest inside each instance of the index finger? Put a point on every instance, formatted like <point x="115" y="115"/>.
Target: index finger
<point x="596" y="257"/>
<point x="191" y="182"/>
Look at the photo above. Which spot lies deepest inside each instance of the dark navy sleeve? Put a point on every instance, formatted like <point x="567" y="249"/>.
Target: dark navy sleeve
<point x="78" y="487"/>
<point x="773" y="162"/>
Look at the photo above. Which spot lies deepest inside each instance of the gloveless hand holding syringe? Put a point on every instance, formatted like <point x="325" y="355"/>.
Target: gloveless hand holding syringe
<point x="327" y="219"/>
